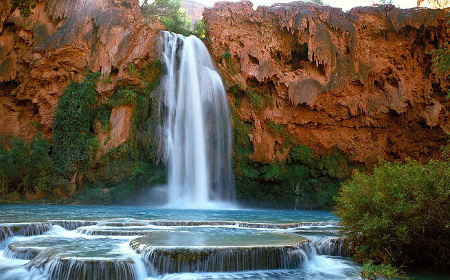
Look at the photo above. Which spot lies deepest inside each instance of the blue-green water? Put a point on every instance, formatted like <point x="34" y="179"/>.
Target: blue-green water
<point x="114" y="242"/>
<point x="27" y="213"/>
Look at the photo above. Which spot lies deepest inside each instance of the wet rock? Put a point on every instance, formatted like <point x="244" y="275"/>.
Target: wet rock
<point x="23" y="229"/>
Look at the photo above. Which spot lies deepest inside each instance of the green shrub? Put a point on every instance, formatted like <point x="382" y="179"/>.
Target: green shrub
<point x="200" y="29"/>
<point x="132" y="70"/>
<point x="123" y="97"/>
<point x="302" y="154"/>
<point x="26" y="167"/>
<point x="255" y="98"/>
<point x="372" y="271"/>
<point x="399" y="214"/>
<point x="41" y="165"/>
<point x="334" y="165"/>
<point x="151" y="75"/>
<point x="122" y="193"/>
<point x="104" y="116"/>
<point x="274" y="172"/>
<point x="72" y="129"/>
<point x="14" y="162"/>
<point x="276" y="128"/>
<point x="95" y="196"/>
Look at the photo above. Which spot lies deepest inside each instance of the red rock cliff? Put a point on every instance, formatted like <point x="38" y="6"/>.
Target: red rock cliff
<point x="41" y="54"/>
<point x="360" y="81"/>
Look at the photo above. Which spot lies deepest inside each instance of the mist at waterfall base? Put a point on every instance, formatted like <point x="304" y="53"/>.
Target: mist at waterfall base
<point x="195" y="137"/>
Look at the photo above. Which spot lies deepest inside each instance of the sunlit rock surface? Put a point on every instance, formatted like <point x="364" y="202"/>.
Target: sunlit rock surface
<point x="62" y="40"/>
<point x="357" y="81"/>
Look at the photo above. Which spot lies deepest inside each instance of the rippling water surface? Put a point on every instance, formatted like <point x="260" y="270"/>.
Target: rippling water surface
<point x="113" y="242"/>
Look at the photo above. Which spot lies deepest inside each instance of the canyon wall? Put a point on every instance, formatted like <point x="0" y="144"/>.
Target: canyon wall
<point x="359" y="82"/>
<point x="57" y="44"/>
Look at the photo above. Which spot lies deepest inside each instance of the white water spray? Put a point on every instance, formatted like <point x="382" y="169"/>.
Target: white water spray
<point x="195" y="126"/>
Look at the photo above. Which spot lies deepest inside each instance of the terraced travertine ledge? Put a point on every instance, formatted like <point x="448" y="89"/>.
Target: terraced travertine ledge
<point x="39" y="228"/>
<point x="220" y="249"/>
<point x="23" y="229"/>
<point x="164" y="247"/>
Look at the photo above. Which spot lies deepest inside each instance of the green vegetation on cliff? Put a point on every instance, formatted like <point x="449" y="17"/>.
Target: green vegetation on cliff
<point x="25" y="6"/>
<point x="169" y="13"/>
<point x="27" y="168"/>
<point x="73" y="138"/>
<point x="174" y="18"/>
<point x="304" y="180"/>
<point x="76" y="168"/>
<point x="441" y="60"/>
<point x="399" y="214"/>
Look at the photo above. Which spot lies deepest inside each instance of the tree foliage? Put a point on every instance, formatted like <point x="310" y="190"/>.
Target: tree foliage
<point x="26" y="166"/>
<point x="73" y="136"/>
<point x="399" y="214"/>
<point x="170" y="14"/>
<point x="200" y="29"/>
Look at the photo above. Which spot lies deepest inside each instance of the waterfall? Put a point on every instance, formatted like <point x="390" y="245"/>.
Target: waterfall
<point x="195" y="129"/>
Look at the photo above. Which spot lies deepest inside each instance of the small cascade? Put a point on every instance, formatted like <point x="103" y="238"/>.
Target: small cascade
<point x="72" y="224"/>
<point x="14" y="251"/>
<point x="123" y="223"/>
<point x="87" y="269"/>
<point x="330" y="246"/>
<point x="119" y="231"/>
<point x="166" y="260"/>
<point x="23" y="229"/>
<point x="242" y="224"/>
<point x="195" y="126"/>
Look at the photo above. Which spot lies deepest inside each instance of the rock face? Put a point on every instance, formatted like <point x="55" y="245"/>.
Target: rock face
<point x="41" y="54"/>
<point x="360" y="82"/>
<point x="194" y="10"/>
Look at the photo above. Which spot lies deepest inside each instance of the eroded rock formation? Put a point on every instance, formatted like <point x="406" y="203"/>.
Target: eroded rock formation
<point x="360" y="82"/>
<point x="41" y="54"/>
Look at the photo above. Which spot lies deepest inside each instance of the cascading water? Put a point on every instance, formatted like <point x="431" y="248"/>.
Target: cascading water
<point x="170" y="244"/>
<point x="195" y="129"/>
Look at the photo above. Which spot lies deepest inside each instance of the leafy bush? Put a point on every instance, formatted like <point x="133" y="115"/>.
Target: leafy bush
<point x="372" y="271"/>
<point x="14" y="162"/>
<point x="305" y="180"/>
<point x="276" y="128"/>
<point x="200" y="29"/>
<point x="26" y="167"/>
<point x="122" y="97"/>
<point x="72" y="129"/>
<point x="95" y="196"/>
<point x="170" y="14"/>
<point x="399" y="214"/>
<point x="302" y="154"/>
<point x="104" y="116"/>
